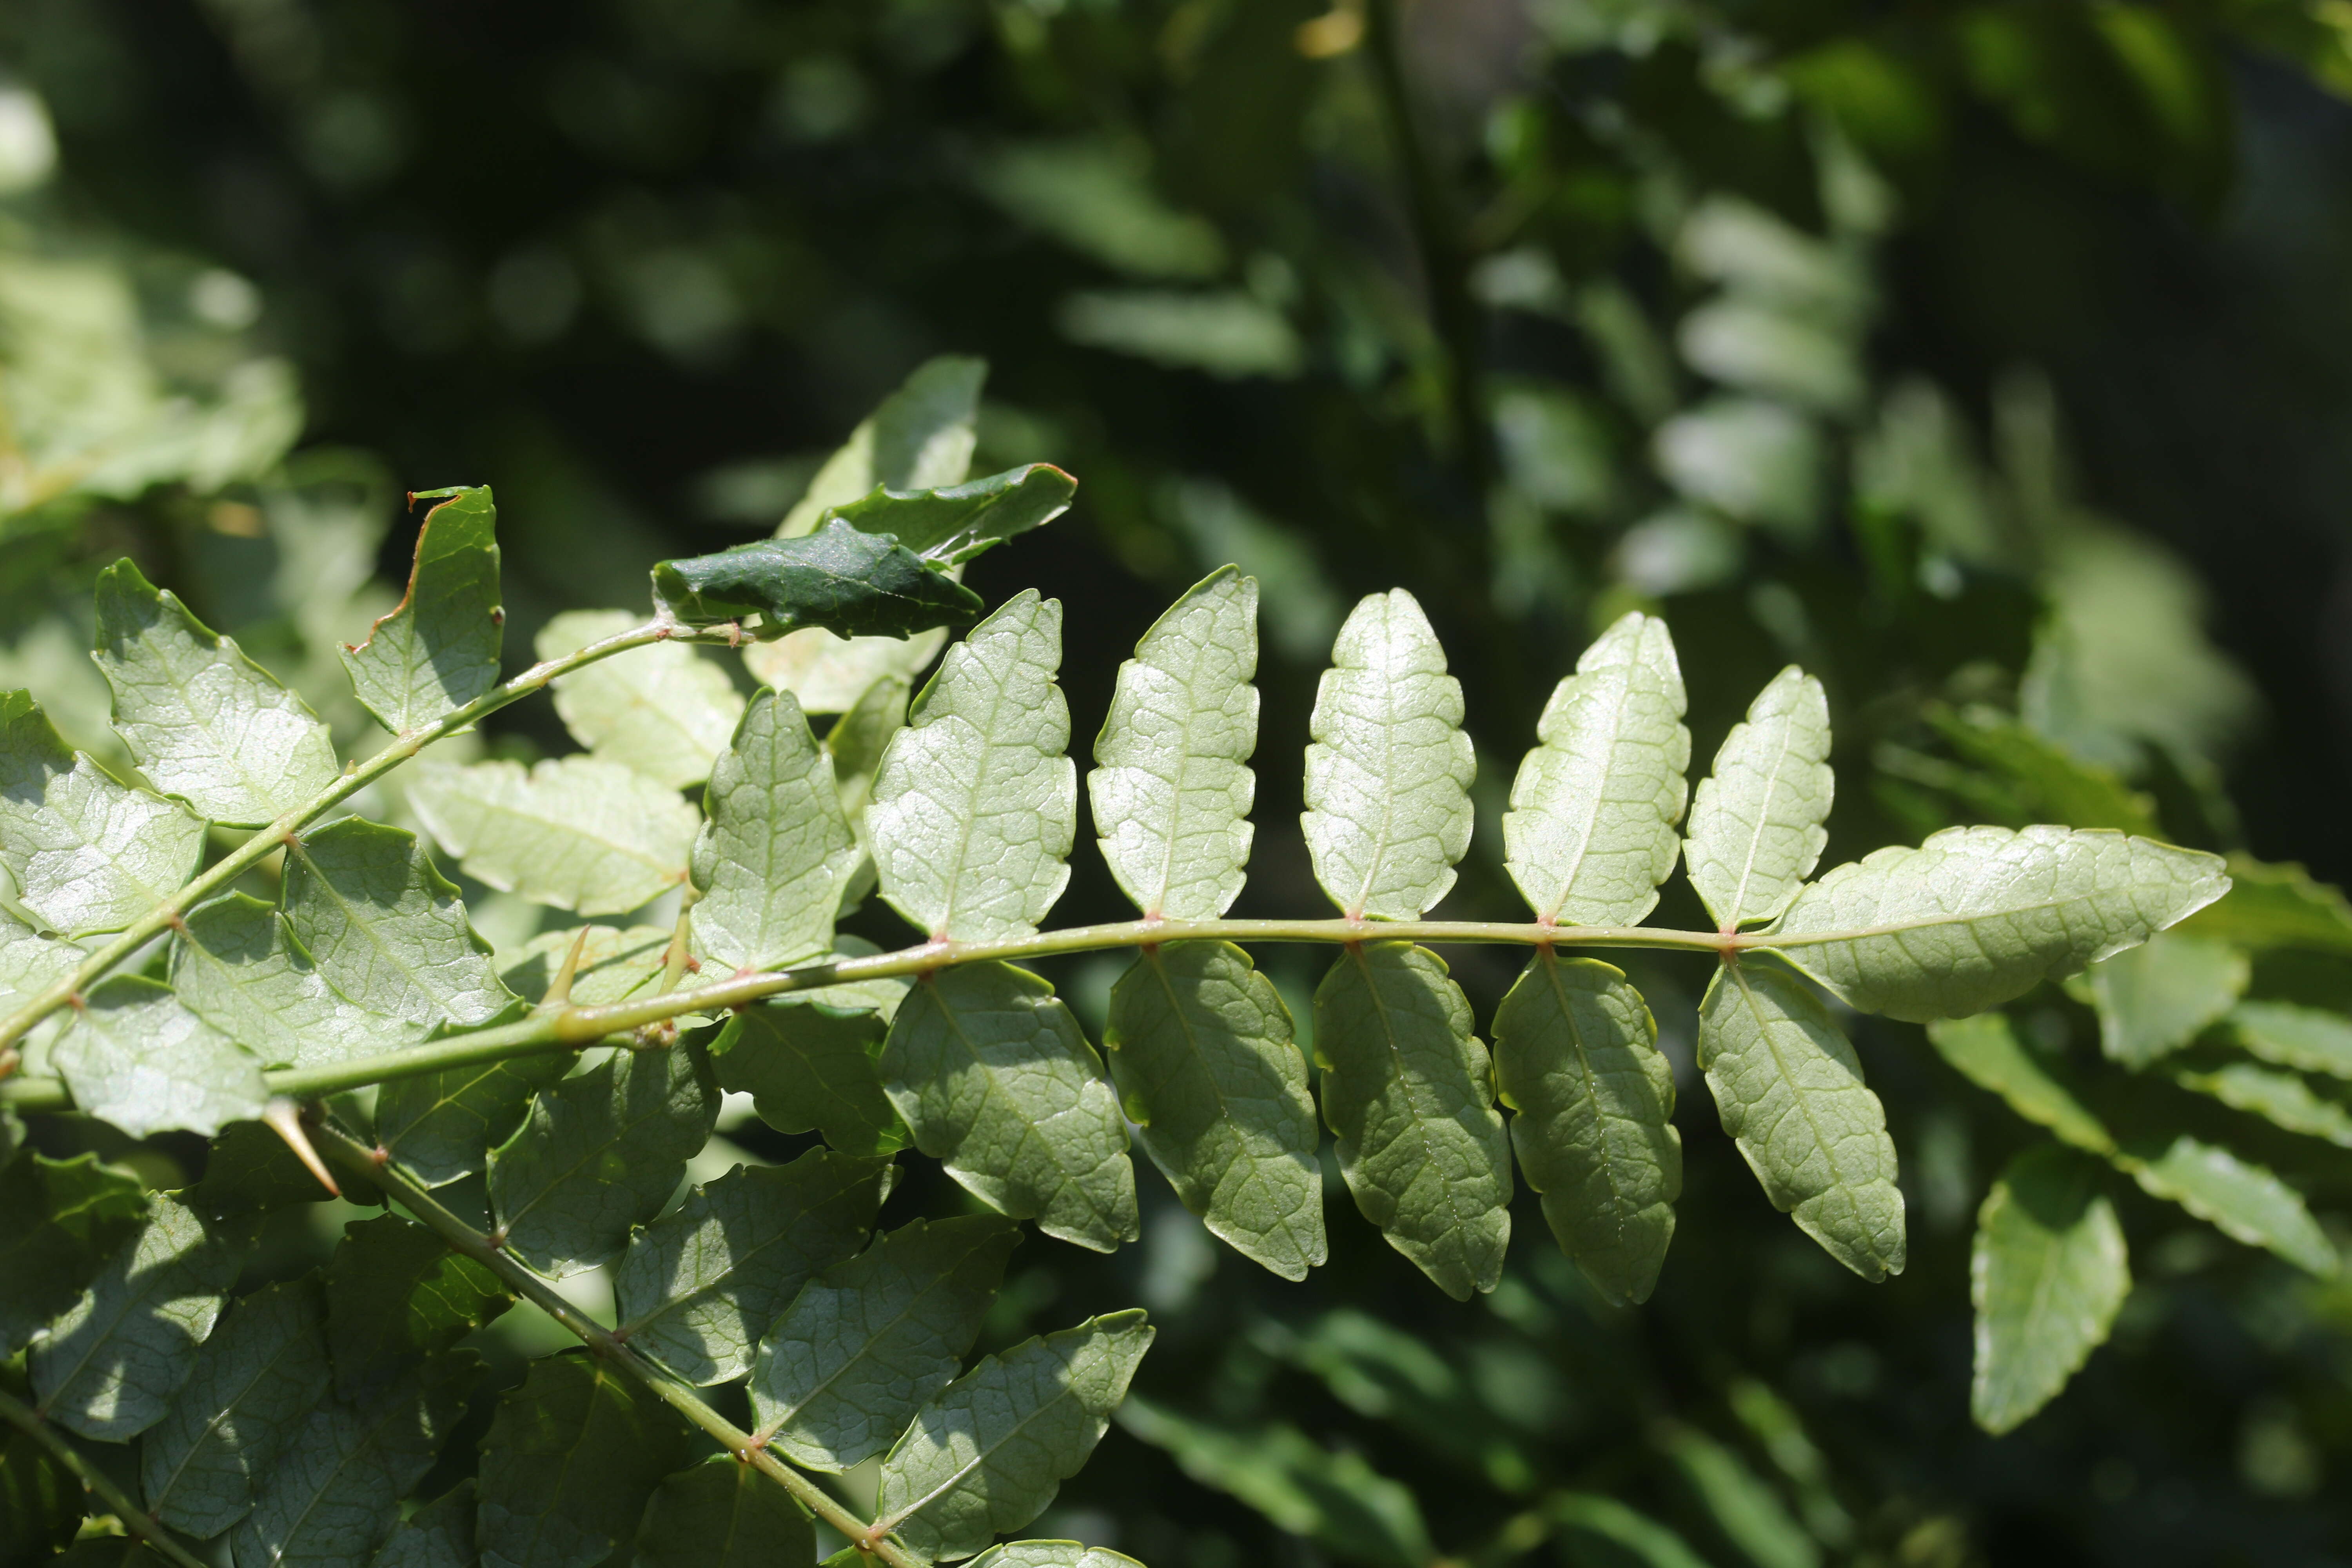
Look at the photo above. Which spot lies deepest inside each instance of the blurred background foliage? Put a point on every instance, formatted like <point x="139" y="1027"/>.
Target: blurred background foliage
<point x="1991" y="360"/>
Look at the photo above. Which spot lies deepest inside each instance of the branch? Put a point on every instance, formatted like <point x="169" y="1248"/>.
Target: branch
<point x="267" y="839"/>
<point x="348" y="1152"/>
<point x="30" y="1422"/>
<point x="569" y="1029"/>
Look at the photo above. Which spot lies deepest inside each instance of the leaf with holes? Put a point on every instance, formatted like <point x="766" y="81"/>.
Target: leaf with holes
<point x="1410" y="1092"/>
<point x="438" y="650"/>
<point x="975" y="806"/>
<point x="577" y="832"/>
<point x="1201" y="1049"/>
<point x="1388" y="776"/>
<point x="88" y="854"/>
<point x="1576" y="1055"/>
<point x="1591" y="832"/>
<point x="700" y="1285"/>
<point x="1789" y="1090"/>
<point x="1172" y="792"/>
<point x="870" y="1342"/>
<point x="204" y="722"/>
<point x="997" y="1081"/>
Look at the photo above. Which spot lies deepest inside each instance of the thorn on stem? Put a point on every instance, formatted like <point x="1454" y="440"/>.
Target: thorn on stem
<point x="559" y="990"/>
<point x="284" y="1117"/>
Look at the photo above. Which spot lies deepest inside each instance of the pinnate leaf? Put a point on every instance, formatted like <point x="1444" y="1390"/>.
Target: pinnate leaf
<point x="810" y="1067"/>
<point x="1756" y="828"/>
<point x="777" y="853"/>
<point x="1172" y="792"/>
<point x="975" y="806"/>
<point x="2155" y="998"/>
<point x="871" y="1340"/>
<point x="989" y="1453"/>
<point x="662" y="711"/>
<point x="332" y="1496"/>
<point x="598" y="1154"/>
<point x="2048" y="1274"/>
<point x="2237" y="1197"/>
<point x="135" y="1056"/>
<point x="1789" y="1090"/>
<point x="722" y="1513"/>
<point x="700" y="1285"/>
<point x="386" y="929"/>
<point x="1987" y="1051"/>
<point x="1976" y="916"/>
<point x="438" y="650"/>
<point x="1576" y="1055"/>
<point x="60" y="1220"/>
<point x="997" y="1081"/>
<point x="236" y="967"/>
<point x="1409" y="1090"/>
<point x="255" y="1380"/>
<point x="108" y="1368"/>
<point x="204" y="722"/>
<point x="1388" y="776"/>
<point x="572" y="1458"/>
<point x="948" y="525"/>
<point x="2285" y="1100"/>
<point x="1591" y="832"/>
<point x="87" y="853"/>
<point x="575" y="833"/>
<point x="1201" y="1050"/>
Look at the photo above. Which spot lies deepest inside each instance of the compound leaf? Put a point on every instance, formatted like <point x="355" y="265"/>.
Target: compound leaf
<point x="1789" y="1090"/>
<point x="2237" y="1197"/>
<point x="975" y="806"/>
<point x="2048" y="1274"/>
<point x="2155" y="998"/>
<point x="204" y="722"/>
<point x="1200" y="1047"/>
<point x="950" y="525"/>
<point x="840" y="579"/>
<point x="1576" y="1055"/>
<point x="989" y="1453"/>
<point x="1756" y="828"/>
<point x="87" y="853"/>
<point x="134" y="1056"/>
<point x="438" y="650"/>
<point x="395" y="1290"/>
<point x="255" y="1380"/>
<point x="1591" y="832"/>
<point x="576" y="833"/>
<point x="723" y="1513"/>
<point x="386" y="929"/>
<point x="997" y="1081"/>
<point x="236" y="967"/>
<point x="332" y="1496"/>
<point x="871" y="1340"/>
<point x="2284" y="1099"/>
<point x="662" y="711"/>
<point x="2304" y="1038"/>
<point x="1388" y="776"/>
<point x="599" y="1152"/>
<point x="569" y="1463"/>
<point x="777" y="853"/>
<point x="812" y="1067"/>
<point x="1409" y="1090"/>
<point x="438" y="1535"/>
<point x="700" y="1285"/>
<point x="441" y="1126"/>
<point x="108" y="1369"/>
<point x="1172" y="792"/>
<point x="59" y="1221"/>
<point x="1976" y="916"/>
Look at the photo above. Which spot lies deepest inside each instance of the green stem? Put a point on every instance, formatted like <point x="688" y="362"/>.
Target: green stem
<point x="258" y="847"/>
<point x="362" y="1160"/>
<point x="565" y="1028"/>
<point x="27" y="1420"/>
